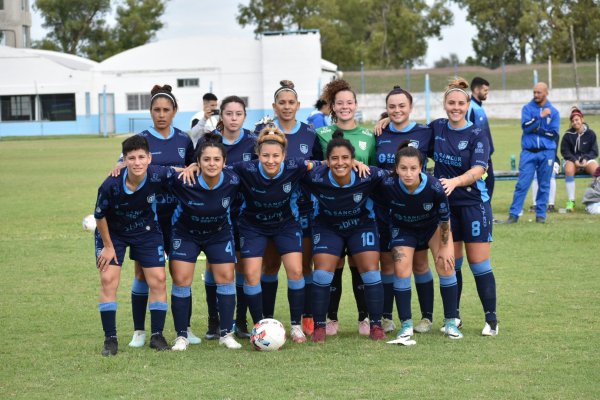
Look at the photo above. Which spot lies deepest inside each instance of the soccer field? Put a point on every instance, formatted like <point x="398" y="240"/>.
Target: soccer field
<point x="548" y="279"/>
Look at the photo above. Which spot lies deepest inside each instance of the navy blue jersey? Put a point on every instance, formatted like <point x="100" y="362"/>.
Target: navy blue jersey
<point x="131" y="213"/>
<point x="342" y="208"/>
<point x="201" y="210"/>
<point x="478" y="117"/>
<point x="420" y="137"/>
<point x="242" y="149"/>
<point x="457" y="151"/>
<point x="302" y="141"/>
<point x="270" y="202"/>
<point x="175" y="151"/>
<point x="427" y="206"/>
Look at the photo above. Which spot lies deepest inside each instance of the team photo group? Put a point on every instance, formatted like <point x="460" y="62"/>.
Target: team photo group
<point x="313" y="197"/>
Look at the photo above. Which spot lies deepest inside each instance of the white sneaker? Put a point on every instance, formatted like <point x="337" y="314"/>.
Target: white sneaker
<point x="229" y="341"/>
<point x="297" y="334"/>
<point x="364" y="327"/>
<point x="181" y="344"/>
<point x="388" y="325"/>
<point x="424" y="326"/>
<point x="489" y="331"/>
<point x="457" y="322"/>
<point x="451" y="330"/>
<point x="138" y="339"/>
<point x="193" y="339"/>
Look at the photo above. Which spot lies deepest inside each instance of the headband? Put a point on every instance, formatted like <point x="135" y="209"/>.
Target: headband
<point x="166" y="95"/>
<point x="456" y="89"/>
<point x="283" y="89"/>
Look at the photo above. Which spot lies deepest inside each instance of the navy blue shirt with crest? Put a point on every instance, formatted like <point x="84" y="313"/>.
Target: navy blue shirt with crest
<point x="426" y="207"/>
<point x="128" y="213"/>
<point x="343" y="208"/>
<point x="241" y="149"/>
<point x="269" y="201"/>
<point x="203" y="211"/>
<point x="420" y="137"/>
<point x="455" y="151"/>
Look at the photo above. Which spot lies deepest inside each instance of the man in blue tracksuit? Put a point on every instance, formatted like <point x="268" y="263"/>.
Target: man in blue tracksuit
<point x="540" y="122"/>
<point x="476" y="114"/>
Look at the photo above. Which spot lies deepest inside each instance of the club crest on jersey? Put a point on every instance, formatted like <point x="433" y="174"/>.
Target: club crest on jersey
<point x="151" y="198"/>
<point x="247" y="156"/>
<point x="316" y="238"/>
<point x="395" y="232"/>
<point x="362" y="145"/>
<point x="181" y="152"/>
<point x="414" y="143"/>
<point x="462" y="144"/>
<point x="357" y="197"/>
<point x="155" y="177"/>
<point x="304" y="148"/>
<point x="287" y="187"/>
<point x="225" y="202"/>
<point x="427" y="206"/>
<point x="176" y="243"/>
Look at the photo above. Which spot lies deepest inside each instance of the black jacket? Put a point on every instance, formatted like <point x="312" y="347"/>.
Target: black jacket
<point x="579" y="147"/>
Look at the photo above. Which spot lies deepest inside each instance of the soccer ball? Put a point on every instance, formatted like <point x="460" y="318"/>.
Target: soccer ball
<point x="89" y="223"/>
<point x="268" y="335"/>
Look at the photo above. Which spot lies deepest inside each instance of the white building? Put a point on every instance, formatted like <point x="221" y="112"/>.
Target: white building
<point x="249" y="68"/>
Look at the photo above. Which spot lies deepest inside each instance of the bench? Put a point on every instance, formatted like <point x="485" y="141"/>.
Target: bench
<point x="507" y="175"/>
<point x="590" y="107"/>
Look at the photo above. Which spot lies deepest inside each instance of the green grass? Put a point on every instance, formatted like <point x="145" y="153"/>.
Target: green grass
<point x="517" y="77"/>
<point x="548" y="305"/>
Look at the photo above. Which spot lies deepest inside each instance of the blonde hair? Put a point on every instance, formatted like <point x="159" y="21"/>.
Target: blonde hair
<point x="457" y="84"/>
<point x="270" y="134"/>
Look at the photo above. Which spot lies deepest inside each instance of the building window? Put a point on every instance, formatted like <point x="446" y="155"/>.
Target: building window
<point x="18" y="108"/>
<point x="58" y="107"/>
<point x="26" y="36"/>
<point x="188" y="82"/>
<point x="1" y="4"/>
<point x="25" y="5"/>
<point x="138" y="101"/>
<point x="8" y="38"/>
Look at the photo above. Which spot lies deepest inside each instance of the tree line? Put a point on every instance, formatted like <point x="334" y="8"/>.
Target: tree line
<point x="378" y="33"/>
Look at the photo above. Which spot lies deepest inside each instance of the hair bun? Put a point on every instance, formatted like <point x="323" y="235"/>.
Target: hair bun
<point x="213" y="137"/>
<point x="397" y="87"/>
<point x="287" y="83"/>
<point x="167" y="88"/>
<point x="338" y="134"/>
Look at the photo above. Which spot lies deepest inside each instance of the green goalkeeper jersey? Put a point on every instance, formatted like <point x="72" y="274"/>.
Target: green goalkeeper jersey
<point x="362" y="139"/>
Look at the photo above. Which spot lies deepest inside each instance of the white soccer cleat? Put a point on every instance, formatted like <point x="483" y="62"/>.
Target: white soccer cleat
<point x="297" y="334"/>
<point x="388" y="325"/>
<point x="406" y="330"/>
<point x="138" y="339"/>
<point x="451" y="330"/>
<point x="424" y="326"/>
<point x="192" y="339"/>
<point x="457" y="322"/>
<point x="229" y="341"/>
<point x="490" y="329"/>
<point x="181" y="344"/>
<point x="364" y="327"/>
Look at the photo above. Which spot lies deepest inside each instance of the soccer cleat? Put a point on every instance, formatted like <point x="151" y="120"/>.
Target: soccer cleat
<point x="138" y="339"/>
<point x="551" y="208"/>
<point x="376" y="332"/>
<point x="308" y="325"/>
<point x="406" y="330"/>
<point x="457" y="323"/>
<point x="240" y="329"/>
<point x="570" y="206"/>
<point x="158" y="342"/>
<point x="181" y="344"/>
<point x="363" y="327"/>
<point x="213" y="329"/>
<point x="540" y="220"/>
<point x="319" y="334"/>
<point x="388" y="325"/>
<point x="297" y="334"/>
<point x="490" y="329"/>
<point x="452" y="330"/>
<point x="424" y="326"/>
<point x="532" y="208"/>
<point x="229" y="341"/>
<point x="331" y="327"/>
<point x="111" y="346"/>
<point x="192" y="339"/>
<point x="511" y="220"/>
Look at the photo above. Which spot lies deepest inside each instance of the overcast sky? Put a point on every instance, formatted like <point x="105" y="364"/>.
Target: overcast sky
<point x="193" y="17"/>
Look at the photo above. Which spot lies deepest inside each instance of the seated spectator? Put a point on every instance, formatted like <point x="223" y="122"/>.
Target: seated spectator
<point x="579" y="148"/>
<point x="591" y="197"/>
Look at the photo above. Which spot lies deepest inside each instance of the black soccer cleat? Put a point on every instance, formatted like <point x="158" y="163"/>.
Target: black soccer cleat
<point x="213" y="331"/>
<point x="240" y="329"/>
<point x="158" y="342"/>
<point x="111" y="346"/>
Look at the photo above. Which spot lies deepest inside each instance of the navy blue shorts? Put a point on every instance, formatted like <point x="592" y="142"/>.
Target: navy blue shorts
<point x="253" y="239"/>
<point x="305" y="220"/>
<point x="385" y="237"/>
<point x="165" y="215"/>
<point x="418" y="239"/>
<point x="219" y="247"/>
<point x="146" y="248"/>
<point x="362" y="238"/>
<point x="471" y="224"/>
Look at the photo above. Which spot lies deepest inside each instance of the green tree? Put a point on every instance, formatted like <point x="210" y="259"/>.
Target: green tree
<point x="79" y="27"/>
<point x="378" y="32"/>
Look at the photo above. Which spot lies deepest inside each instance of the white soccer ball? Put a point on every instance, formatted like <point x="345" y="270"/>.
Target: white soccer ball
<point x="89" y="223"/>
<point x="268" y="335"/>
